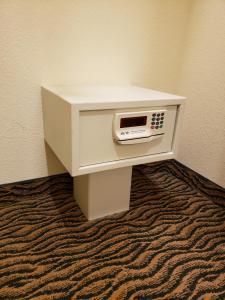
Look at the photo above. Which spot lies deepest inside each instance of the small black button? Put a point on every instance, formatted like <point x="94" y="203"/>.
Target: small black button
<point x="162" y="114"/>
<point x="162" y="118"/>
<point x="157" y="127"/>
<point x="157" y="123"/>
<point x="161" y="122"/>
<point x="158" y="115"/>
<point x="153" y="123"/>
<point x="153" y="115"/>
<point x="161" y="126"/>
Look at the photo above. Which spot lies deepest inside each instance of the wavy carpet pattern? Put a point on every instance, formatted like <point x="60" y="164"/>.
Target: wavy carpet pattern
<point x="169" y="245"/>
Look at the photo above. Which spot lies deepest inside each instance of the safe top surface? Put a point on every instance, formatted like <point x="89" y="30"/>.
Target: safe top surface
<point x="101" y="97"/>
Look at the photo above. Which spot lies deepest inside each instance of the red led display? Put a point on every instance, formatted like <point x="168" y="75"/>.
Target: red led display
<point x="133" y="121"/>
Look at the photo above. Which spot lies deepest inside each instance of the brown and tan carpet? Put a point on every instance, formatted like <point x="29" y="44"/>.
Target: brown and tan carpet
<point x="169" y="245"/>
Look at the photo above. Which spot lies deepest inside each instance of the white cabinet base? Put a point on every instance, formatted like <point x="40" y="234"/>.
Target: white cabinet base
<point x="103" y="193"/>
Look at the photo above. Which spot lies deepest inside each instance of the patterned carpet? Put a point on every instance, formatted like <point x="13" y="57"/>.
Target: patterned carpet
<point x="169" y="245"/>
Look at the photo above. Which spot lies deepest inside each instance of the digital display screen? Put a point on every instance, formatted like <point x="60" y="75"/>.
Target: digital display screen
<point x="133" y="121"/>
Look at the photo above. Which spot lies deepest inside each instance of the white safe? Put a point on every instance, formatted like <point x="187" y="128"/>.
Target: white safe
<point x="102" y="131"/>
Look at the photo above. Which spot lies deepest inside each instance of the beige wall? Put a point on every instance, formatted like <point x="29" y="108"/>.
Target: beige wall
<point x="173" y="45"/>
<point x="202" y="144"/>
<point x="77" y="41"/>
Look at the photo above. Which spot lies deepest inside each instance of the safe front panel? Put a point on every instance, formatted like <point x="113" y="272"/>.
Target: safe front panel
<point x="97" y="143"/>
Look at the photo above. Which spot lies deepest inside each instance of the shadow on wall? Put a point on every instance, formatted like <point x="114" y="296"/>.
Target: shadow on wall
<point x="54" y="166"/>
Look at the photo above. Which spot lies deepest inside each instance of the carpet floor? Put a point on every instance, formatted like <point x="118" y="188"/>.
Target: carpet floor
<point x="169" y="245"/>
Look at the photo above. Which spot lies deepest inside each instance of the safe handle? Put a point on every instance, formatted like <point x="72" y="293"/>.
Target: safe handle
<point x="139" y="140"/>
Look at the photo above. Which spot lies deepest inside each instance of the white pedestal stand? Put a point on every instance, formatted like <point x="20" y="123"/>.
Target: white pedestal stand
<point x="103" y="193"/>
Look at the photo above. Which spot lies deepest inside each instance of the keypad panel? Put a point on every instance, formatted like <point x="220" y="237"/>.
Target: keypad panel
<point x="157" y="120"/>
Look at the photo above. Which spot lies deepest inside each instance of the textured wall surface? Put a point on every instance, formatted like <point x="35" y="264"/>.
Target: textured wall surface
<point x="91" y="41"/>
<point x="202" y="144"/>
